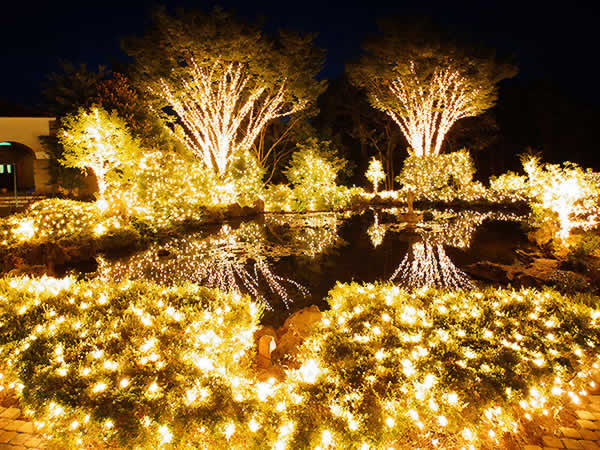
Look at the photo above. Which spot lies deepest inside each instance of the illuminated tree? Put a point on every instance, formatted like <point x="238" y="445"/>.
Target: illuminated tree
<point x="224" y="80"/>
<point x="97" y="140"/>
<point x="426" y="82"/>
<point x="375" y="173"/>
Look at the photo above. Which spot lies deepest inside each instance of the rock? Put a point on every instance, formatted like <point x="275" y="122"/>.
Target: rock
<point x="234" y="210"/>
<point x="287" y="347"/>
<point x="301" y="321"/>
<point x="486" y="270"/>
<point x="266" y="345"/>
<point x="264" y="330"/>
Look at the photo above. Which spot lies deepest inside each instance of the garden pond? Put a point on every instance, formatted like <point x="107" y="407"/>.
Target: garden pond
<point x="291" y="261"/>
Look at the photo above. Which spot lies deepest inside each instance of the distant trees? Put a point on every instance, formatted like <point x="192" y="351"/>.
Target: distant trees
<point x="426" y="81"/>
<point x="225" y="80"/>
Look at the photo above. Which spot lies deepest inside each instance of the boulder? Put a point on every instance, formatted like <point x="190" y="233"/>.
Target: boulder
<point x="234" y="210"/>
<point x="287" y="347"/>
<point x="486" y="270"/>
<point x="301" y="321"/>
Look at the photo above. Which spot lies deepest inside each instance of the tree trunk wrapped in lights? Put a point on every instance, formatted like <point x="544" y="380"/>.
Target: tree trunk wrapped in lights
<point x="223" y="118"/>
<point x="221" y="81"/>
<point x="426" y="81"/>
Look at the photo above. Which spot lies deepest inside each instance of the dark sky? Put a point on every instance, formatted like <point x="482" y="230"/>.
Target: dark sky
<point x="555" y="42"/>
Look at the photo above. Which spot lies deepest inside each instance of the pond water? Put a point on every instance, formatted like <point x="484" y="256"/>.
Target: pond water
<point x="291" y="261"/>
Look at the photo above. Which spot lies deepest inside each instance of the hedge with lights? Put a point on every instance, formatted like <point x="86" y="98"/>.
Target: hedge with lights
<point x="132" y="364"/>
<point x="388" y="368"/>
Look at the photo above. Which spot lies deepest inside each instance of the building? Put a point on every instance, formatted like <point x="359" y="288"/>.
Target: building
<point x="22" y="157"/>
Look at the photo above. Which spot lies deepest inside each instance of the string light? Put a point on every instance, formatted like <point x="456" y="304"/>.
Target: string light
<point x="221" y="113"/>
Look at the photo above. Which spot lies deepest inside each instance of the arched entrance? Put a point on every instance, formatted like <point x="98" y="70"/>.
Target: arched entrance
<point x="16" y="161"/>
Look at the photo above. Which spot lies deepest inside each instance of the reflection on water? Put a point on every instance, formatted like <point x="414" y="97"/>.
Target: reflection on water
<point x="307" y="234"/>
<point x="427" y="264"/>
<point x="291" y="261"/>
<point x="233" y="260"/>
<point x="376" y="232"/>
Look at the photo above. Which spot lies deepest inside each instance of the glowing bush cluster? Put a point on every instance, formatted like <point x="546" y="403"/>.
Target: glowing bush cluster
<point x="313" y="172"/>
<point x="510" y="185"/>
<point x="566" y="194"/>
<point x="388" y="368"/>
<point x="102" y="364"/>
<point x="54" y="219"/>
<point x="443" y="177"/>
<point x="169" y="189"/>
<point x="105" y="364"/>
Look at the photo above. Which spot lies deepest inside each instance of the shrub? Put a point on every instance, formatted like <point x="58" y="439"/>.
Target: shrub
<point x="132" y="364"/>
<point x="55" y="219"/>
<point x="444" y="177"/>
<point x="279" y="198"/>
<point x="101" y="141"/>
<point x="246" y="175"/>
<point x="313" y="171"/>
<point x="375" y="173"/>
<point x="563" y="195"/>
<point x="510" y="185"/>
<point x="388" y="368"/>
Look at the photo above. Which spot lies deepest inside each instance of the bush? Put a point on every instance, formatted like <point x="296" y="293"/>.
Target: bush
<point x="444" y="177"/>
<point x="132" y="364"/>
<point x="279" y="198"/>
<point x="54" y="219"/>
<point x="313" y="172"/>
<point x="510" y="185"/>
<point x="564" y="195"/>
<point x="246" y="175"/>
<point x="388" y="368"/>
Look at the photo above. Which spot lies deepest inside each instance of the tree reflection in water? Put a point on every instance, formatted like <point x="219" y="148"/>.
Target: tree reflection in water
<point x="233" y="260"/>
<point x="426" y="262"/>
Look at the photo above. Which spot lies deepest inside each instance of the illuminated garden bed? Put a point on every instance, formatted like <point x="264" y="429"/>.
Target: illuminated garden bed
<point x="136" y="364"/>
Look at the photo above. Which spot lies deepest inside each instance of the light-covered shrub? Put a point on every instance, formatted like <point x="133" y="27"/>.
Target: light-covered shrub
<point x="564" y="195"/>
<point x="510" y="185"/>
<point x="106" y="365"/>
<point x="51" y="220"/>
<point x="279" y="198"/>
<point x="313" y="171"/>
<point x="246" y="175"/>
<point x="444" y="177"/>
<point x="101" y="141"/>
<point x="431" y="368"/>
<point x="375" y="173"/>
<point x="170" y="189"/>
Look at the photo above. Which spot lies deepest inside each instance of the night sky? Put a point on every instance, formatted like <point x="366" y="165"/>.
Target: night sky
<point x="557" y="43"/>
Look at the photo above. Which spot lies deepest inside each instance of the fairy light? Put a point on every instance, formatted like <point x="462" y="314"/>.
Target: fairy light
<point x="568" y="192"/>
<point x="230" y="260"/>
<point x="427" y="264"/>
<point x="427" y="338"/>
<point x="221" y="114"/>
<point x="433" y="106"/>
<point x="375" y="173"/>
